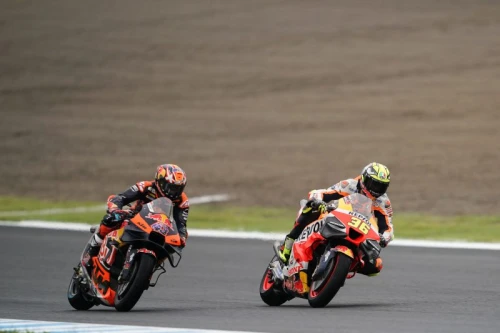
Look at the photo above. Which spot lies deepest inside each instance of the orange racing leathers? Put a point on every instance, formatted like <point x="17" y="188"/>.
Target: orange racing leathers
<point x="142" y="193"/>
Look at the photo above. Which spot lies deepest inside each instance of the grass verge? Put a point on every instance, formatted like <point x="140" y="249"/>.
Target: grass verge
<point x="224" y="216"/>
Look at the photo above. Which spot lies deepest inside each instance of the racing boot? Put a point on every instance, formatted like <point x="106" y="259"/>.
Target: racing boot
<point x="286" y="249"/>
<point x="91" y="250"/>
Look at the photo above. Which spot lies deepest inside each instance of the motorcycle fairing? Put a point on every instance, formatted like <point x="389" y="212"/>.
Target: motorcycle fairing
<point x="347" y="227"/>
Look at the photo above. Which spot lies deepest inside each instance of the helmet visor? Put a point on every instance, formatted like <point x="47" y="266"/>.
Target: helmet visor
<point x="375" y="187"/>
<point x="172" y="191"/>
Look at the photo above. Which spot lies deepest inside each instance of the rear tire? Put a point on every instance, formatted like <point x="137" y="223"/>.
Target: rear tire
<point x="76" y="297"/>
<point x="128" y="294"/>
<point x="268" y="292"/>
<point x="333" y="280"/>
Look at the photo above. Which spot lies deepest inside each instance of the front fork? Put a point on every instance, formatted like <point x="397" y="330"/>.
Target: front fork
<point x="129" y="258"/>
<point x="327" y="256"/>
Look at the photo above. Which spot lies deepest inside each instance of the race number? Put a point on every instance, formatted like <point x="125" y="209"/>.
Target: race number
<point x="359" y="224"/>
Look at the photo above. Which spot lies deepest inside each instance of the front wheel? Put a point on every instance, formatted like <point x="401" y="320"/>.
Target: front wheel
<point x="76" y="296"/>
<point x="324" y="289"/>
<point x="268" y="291"/>
<point x="129" y="292"/>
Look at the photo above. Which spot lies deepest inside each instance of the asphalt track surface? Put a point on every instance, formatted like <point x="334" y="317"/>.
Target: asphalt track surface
<point x="216" y="287"/>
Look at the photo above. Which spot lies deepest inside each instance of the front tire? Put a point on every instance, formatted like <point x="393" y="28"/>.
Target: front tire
<point x="268" y="292"/>
<point x="75" y="295"/>
<point x="129" y="292"/>
<point x="323" y="291"/>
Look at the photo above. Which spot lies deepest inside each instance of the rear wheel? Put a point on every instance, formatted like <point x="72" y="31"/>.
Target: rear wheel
<point x="129" y="292"/>
<point x="268" y="290"/>
<point x="75" y="295"/>
<point x="326" y="287"/>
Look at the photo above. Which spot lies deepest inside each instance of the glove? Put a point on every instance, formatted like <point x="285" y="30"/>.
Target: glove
<point x="183" y="241"/>
<point x="314" y="206"/>
<point x="383" y="241"/>
<point x="116" y="215"/>
<point x="318" y="206"/>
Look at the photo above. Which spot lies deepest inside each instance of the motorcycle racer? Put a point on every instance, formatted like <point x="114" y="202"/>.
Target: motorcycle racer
<point x="170" y="181"/>
<point x="373" y="183"/>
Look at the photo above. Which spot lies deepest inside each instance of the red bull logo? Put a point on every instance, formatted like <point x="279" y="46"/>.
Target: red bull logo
<point x="163" y="223"/>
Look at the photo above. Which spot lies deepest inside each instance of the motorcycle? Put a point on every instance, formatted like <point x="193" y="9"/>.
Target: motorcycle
<point x="128" y="259"/>
<point x="351" y="237"/>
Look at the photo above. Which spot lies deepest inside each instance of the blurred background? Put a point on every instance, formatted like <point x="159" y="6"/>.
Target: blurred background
<point x="263" y="100"/>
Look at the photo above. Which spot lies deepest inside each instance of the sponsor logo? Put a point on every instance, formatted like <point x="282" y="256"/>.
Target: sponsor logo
<point x="295" y="269"/>
<point x="184" y="204"/>
<point x="127" y="263"/>
<point x="161" y="228"/>
<point x="135" y="188"/>
<point x="142" y="225"/>
<point x="313" y="227"/>
<point x="161" y="219"/>
<point x="358" y="215"/>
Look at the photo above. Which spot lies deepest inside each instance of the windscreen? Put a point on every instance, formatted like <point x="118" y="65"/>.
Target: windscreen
<point x="161" y="206"/>
<point x="357" y="203"/>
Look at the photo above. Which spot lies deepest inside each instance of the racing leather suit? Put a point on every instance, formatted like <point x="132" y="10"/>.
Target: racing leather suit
<point x="382" y="211"/>
<point x="142" y="193"/>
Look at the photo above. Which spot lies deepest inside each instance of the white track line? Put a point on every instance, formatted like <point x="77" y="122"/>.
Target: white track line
<point x="60" y="327"/>
<point x="193" y="201"/>
<point x="258" y="235"/>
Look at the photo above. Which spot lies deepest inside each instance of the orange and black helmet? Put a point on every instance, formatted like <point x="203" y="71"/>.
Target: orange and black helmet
<point x="170" y="180"/>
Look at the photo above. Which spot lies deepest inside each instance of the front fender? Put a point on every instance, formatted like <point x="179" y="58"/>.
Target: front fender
<point x="146" y="251"/>
<point x="345" y="250"/>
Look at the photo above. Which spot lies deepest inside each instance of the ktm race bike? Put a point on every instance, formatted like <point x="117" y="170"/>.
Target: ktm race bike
<point x="339" y="243"/>
<point x="127" y="260"/>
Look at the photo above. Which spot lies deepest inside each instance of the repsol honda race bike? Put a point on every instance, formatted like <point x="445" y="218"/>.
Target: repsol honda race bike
<point x="349" y="237"/>
<point x="127" y="260"/>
